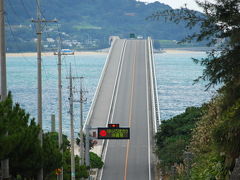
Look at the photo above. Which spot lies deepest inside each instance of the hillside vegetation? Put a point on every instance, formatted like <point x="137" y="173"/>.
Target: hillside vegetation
<point x="202" y="143"/>
<point x="174" y="136"/>
<point x="88" y="23"/>
<point x="210" y="148"/>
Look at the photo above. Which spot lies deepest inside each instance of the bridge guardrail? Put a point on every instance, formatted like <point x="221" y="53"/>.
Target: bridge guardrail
<point x="155" y="89"/>
<point x="154" y="92"/>
<point x="113" y="98"/>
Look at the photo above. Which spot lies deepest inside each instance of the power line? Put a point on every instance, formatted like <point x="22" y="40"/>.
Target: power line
<point x="13" y="10"/>
<point x="39" y="22"/>
<point x="15" y="39"/>
<point x="24" y="7"/>
<point x="47" y="75"/>
<point x="27" y="12"/>
<point x="59" y="34"/>
<point x="18" y="16"/>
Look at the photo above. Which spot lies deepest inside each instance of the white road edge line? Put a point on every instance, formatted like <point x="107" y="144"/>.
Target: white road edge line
<point x="104" y="158"/>
<point x="120" y="75"/>
<point x="98" y="86"/>
<point x="149" y="162"/>
<point x="117" y="87"/>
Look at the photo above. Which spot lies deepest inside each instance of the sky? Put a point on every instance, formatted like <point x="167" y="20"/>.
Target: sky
<point x="179" y="3"/>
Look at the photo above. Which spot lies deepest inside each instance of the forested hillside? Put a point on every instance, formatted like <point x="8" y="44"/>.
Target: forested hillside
<point x="203" y="143"/>
<point x="88" y="23"/>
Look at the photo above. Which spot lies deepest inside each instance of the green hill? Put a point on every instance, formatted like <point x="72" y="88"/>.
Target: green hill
<point x="88" y="22"/>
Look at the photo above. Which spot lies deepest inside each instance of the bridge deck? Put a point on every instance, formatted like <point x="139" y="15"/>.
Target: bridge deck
<point x="131" y="107"/>
<point x="99" y="115"/>
<point x="130" y="159"/>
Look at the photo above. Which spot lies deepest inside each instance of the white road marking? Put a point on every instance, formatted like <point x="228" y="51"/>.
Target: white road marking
<point x="117" y="85"/>
<point x="149" y="161"/>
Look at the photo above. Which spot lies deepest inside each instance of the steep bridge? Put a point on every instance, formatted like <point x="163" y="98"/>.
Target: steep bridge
<point x="126" y="95"/>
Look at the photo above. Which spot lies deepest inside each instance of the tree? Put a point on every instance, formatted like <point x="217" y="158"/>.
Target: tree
<point x="21" y="146"/>
<point x="174" y="136"/>
<point x="95" y="161"/>
<point x="54" y="137"/>
<point x="215" y="140"/>
<point x="5" y="146"/>
<point x="81" y="171"/>
<point x="26" y="158"/>
<point x="220" y="26"/>
<point x="52" y="157"/>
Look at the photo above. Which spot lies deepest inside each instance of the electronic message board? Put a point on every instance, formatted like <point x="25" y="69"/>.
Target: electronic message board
<point x="113" y="133"/>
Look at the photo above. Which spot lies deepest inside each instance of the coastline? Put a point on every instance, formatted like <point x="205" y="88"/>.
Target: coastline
<point x="177" y="51"/>
<point x="184" y="50"/>
<point x="34" y="54"/>
<point x="104" y="52"/>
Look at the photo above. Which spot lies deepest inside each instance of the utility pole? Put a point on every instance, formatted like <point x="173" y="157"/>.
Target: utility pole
<point x="59" y="54"/>
<point x="3" y="74"/>
<point x="3" y="77"/>
<point x="71" y="99"/>
<point x="82" y="100"/>
<point x="60" y="177"/>
<point x="39" y="22"/>
<point x="72" y="129"/>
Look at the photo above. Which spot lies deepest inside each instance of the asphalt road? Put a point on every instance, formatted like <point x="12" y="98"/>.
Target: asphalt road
<point x="130" y="159"/>
<point x="99" y="115"/>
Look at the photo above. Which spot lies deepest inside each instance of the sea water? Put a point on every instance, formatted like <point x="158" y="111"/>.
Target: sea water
<point x="175" y="73"/>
